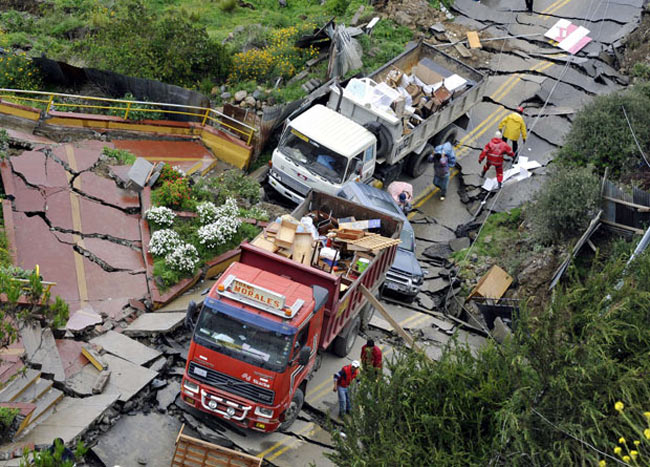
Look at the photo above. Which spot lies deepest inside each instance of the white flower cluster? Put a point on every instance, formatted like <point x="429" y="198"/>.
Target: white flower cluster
<point x="160" y="215"/>
<point x="183" y="258"/>
<point x="163" y="241"/>
<point x="219" y="232"/>
<point x="258" y="213"/>
<point x="209" y="213"/>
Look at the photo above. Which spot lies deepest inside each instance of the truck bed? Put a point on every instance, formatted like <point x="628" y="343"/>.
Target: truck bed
<point x="459" y="105"/>
<point x="341" y="307"/>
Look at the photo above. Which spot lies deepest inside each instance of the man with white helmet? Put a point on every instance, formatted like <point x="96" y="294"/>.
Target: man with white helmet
<point x="494" y="151"/>
<point x="342" y="381"/>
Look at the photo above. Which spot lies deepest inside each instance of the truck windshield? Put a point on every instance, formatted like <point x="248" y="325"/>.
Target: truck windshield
<point x="408" y="242"/>
<point x="243" y="341"/>
<point x="314" y="157"/>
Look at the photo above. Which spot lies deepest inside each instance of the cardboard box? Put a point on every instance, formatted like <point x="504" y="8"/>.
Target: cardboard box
<point x="442" y="95"/>
<point x="426" y="74"/>
<point x="414" y="91"/>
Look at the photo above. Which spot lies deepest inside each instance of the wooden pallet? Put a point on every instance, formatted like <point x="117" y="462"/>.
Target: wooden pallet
<point x="371" y="242"/>
<point x="193" y="452"/>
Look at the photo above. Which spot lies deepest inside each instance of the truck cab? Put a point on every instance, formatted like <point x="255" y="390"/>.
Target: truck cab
<point x="321" y="149"/>
<point x="254" y="342"/>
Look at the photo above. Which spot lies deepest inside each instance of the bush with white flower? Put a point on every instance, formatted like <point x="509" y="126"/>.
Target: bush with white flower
<point x="219" y="232"/>
<point x="208" y="212"/>
<point x="228" y="209"/>
<point x="160" y="215"/>
<point x="163" y="241"/>
<point x="183" y="258"/>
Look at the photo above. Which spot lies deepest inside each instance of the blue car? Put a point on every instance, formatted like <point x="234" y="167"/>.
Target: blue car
<point x="405" y="276"/>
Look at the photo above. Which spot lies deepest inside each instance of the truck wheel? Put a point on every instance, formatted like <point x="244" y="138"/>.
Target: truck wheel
<point x="384" y="138"/>
<point x="343" y="344"/>
<point x="293" y="410"/>
<point x="416" y="164"/>
<point x="449" y="134"/>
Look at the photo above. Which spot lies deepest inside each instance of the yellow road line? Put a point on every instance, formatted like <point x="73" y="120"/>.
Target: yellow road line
<point x="315" y="389"/>
<point x="76" y="225"/>
<point x="549" y="11"/>
<point x="280" y="443"/>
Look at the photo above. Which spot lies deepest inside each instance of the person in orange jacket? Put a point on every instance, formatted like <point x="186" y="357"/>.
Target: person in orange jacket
<point x="513" y="127"/>
<point x="494" y="151"/>
<point x="342" y="381"/>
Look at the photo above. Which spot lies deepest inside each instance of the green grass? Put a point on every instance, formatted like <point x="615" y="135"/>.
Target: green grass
<point x="501" y="229"/>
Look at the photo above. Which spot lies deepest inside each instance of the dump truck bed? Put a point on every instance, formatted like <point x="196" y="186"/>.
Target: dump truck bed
<point x="345" y="299"/>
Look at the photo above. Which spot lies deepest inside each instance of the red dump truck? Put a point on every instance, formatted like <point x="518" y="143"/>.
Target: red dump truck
<point x="259" y="334"/>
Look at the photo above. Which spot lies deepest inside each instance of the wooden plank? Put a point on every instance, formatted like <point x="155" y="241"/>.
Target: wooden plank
<point x="638" y="207"/>
<point x="302" y="248"/>
<point x="474" y="41"/>
<point x="379" y="307"/>
<point x="462" y="50"/>
<point x="493" y="284"/>
<point x="624" y="227"/>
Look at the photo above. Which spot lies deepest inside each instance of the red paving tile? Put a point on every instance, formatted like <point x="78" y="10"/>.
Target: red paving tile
<point x="118" y="256"/>
<point x="106" y="190"/>
<point x="109" y="292"/>
<point x="71" y="357"/>
<point x="98" y="218"/>
<point x="22" y="136"/>
<point x="86" y="153"/>
<point x="9" y="366"/>
<point x="38" y="170"/>
<point x="36" y="244"/>
<point x="172" y="152"/>
<point x="27" y="199"/>
<point x="58" y="209"/>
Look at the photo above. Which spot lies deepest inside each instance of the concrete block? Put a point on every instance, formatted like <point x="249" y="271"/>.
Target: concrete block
<point x="126" y="348"/>
<point x="139" y="172"/>
<point x="155" y="323"/>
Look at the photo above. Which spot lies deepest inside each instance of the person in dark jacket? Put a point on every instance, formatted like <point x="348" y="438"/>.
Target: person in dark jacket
<point x="342" y="381"/>
<point x="440" y="172"/>
<point x="494" y="151"/>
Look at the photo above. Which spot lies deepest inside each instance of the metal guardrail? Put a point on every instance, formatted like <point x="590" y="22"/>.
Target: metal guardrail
<point x="207" y="115"/>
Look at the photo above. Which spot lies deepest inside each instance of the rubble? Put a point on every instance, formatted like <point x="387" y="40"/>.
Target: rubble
<point x="126" y="348"/>
<point x="154" y="323"/>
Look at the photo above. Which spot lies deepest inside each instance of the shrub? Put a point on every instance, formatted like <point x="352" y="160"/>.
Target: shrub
<point x="235" y="184"/>
<point x="565" y="204"/>
<point x="227" y="6"/>
<point x="207" y="212"/>
<point x="174" y="194"/>
<point x="280" y="58"/>
<point x="59" y="312"/>
<point x="337" y="7"/>
<point x="136" y="41"/>
<point x="160" y="216"/>
<point x="4" y="144"/>
<point x="183" y="258"/>
<point x="17" y="71"/>
<point x="641" y="70"/>
<point x="163" y="242"/>
<point x="120" y="156"/>
<point x="137" y="112"/>
<point x="219" y="232"/>
<point x="600" y="134"/>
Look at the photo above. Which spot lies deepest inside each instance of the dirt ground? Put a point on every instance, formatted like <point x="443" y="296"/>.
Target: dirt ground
<point x="638" y="44"/>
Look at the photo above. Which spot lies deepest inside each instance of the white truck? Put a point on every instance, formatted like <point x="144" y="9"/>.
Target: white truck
<point x="377" y="126"/>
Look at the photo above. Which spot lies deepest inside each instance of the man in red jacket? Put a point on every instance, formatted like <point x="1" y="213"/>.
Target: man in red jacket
<point x="371" y="358"/>
<point x="494" y="151"/>
<point x="342" y="381"/>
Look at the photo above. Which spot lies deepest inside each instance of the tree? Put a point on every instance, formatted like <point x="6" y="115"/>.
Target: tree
<point x="544" y="397"/>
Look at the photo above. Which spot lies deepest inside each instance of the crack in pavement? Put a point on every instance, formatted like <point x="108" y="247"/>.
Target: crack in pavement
<point x="95" y="259"/>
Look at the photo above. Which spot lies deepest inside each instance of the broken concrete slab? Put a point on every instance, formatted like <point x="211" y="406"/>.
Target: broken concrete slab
<point x="438" y="251"/>
<point x="195" y="294"/>
<point x="139" y="440"/>
<point x="432" y="232"/>
<point x="139" y="173"/>
<point x="435" y="285"/>
<point x="124" y="347"/>
<point x="38" y="170"/>
<point x="83" y="319"/>
<point x="155" y="323"/>
<point x="167" y="395"/>
<point x="43" y="350"/>
<point x="114" y="255"/>
<point x="73" y="417"/>
<point x="126" y="378"/>
<point x="458" y="244"/>
<point x="514" y="195"/>
<point x="105" y="190"/>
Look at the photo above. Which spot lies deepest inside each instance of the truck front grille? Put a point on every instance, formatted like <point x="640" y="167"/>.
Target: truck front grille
<point x="292" y="183"/>
<point x="397" y="277"/>
<point x="233" y="385"/>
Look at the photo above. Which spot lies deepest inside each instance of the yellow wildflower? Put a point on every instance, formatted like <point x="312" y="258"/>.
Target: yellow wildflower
<point x="617" y="450"/>
<point x="619" y="406"/>
<point x="637" y="442"/>
<point x="647" y="415"/>
<point x="621" y="440"/>
<point x="646" y="433"/>
<point x="626" y="459"/>
<point x="602" y="463"/>
<point x="633" y="454"/>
